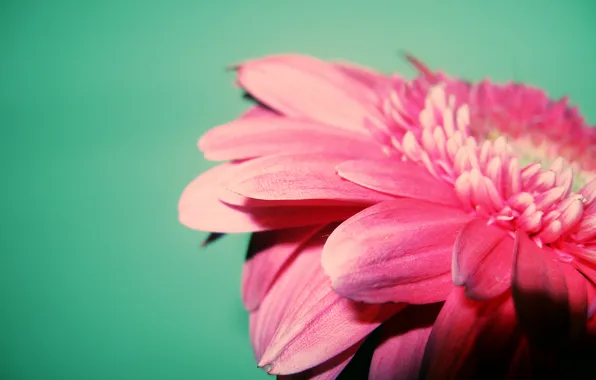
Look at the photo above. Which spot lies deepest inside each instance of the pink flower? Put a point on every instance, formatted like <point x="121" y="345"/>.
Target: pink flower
<point x="436" y="194"/>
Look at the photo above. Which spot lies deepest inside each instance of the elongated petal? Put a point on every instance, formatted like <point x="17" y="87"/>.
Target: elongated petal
<point x="398" y="178"/>
<point x="550" y="297"/>
<point x="482" y="260"/>
<point x="328" y="370"/>
<point x="260" y="136"/>
<point x="305" y="87"/>
<point x="397" y="251"/>
<point x="318" y="323"/>
<point x="364" y="75"/>
<point x="297" y="177"/>
<point x="200" y="208"/>
<point x="265" y="321"/>
<point x="402" y="342"/>
<point x="471" y="339"/>
<point x="268" y="252"/>
<point x="258" y="111"/>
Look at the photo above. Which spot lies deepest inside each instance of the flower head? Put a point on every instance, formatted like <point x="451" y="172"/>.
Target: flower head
<point x="375" y="199"/>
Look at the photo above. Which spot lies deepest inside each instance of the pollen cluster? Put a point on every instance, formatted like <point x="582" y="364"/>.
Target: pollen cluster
<point x="493" y="177"/>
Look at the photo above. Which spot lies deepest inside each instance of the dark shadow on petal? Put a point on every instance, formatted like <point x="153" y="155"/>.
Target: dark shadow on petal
<point x="413" y="317"/>
<point x="260" y="241"/>
<point x="359" y="366"/>
<point x="251" y="99"/>
<point x="546" y="321"/>
<point x="571" y="361"/>
<point x="326" y="366"/>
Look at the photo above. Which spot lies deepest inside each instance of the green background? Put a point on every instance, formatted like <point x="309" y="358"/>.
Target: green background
<point x="101" y="105"/>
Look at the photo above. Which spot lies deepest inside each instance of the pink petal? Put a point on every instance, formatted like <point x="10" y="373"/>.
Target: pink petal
<point x="270" y="251"/>
<point x="260" y="136"/>
<point x="286" y="289"/>
<point x="402" y="342"/>
<point x="328" y="370"/>
<point x="364" y="75"/>
<point x="398" y="178"/>
<point x="317" y="324"/>
<point x="421" y="67"/>
<point x="587" y="269"/>
<point x="305" y="87"/>
<point x="550" y="296"/>
<point x="258" y="111"/>
<point x="482" y="260"/>
<point x="200" y="208"/>
<point x="471" y="339"/>
<point x="396" y="251"/>
<point x="297" y="177"/>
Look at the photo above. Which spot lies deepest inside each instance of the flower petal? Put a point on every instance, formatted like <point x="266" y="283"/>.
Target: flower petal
<point x="268" y="252"/>
<point x="318" y="324"/>
<point x="200" y="208"/>
<point x="550" y="296"/>
<point x="298" y="177"/>
<point x="257" y="112"/>
<point x="265" y="321"/>
<point x="328" y="370"/>
<point x="482" y="260"/>
<point x="305" y="87"/>
<point x="364" y="75"/>
<point x="260" y="136"/>
<point x="398" y="178"/>
<point x="471" y="339"/>
<point x="397" y="250"/>
<point x="399" y="352"/>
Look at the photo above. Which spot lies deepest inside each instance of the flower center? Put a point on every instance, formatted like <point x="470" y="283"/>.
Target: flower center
<point x="505" y="180"/>
<point x="531" y="150"/>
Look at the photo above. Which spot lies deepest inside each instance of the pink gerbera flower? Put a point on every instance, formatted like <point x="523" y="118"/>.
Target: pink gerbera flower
<point x="445" y="200"/>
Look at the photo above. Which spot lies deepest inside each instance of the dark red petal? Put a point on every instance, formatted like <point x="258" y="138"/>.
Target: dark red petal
<point x="471" y="339"/>
<point x="401" y="345"/>
<point x="550" y="296"/>
<point x="482" y="260"/>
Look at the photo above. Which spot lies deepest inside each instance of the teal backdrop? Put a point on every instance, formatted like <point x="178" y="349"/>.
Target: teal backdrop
<point x="101" y="105"/>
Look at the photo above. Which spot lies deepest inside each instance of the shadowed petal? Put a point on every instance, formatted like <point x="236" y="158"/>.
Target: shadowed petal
<point x="398" y="178"/>
<point x="401" y="345"/>
<point x="297" y="177"/>
<point x="257" y="112"/>
<point x="260" y="136"/>
<point x="268" y="251"/>
<point x="471" y="339"/>
<point x="200" y="208"/>
<point x="587" y="268"/>
<point x="397" y="251"/>
<point x="305" y="87"/>
<point x="550" y="296"/>
<point x="328" y="370"/>
<point x="318" y="324"/>
<point x="266" y="320"/>
<point x="482" y="260"/>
